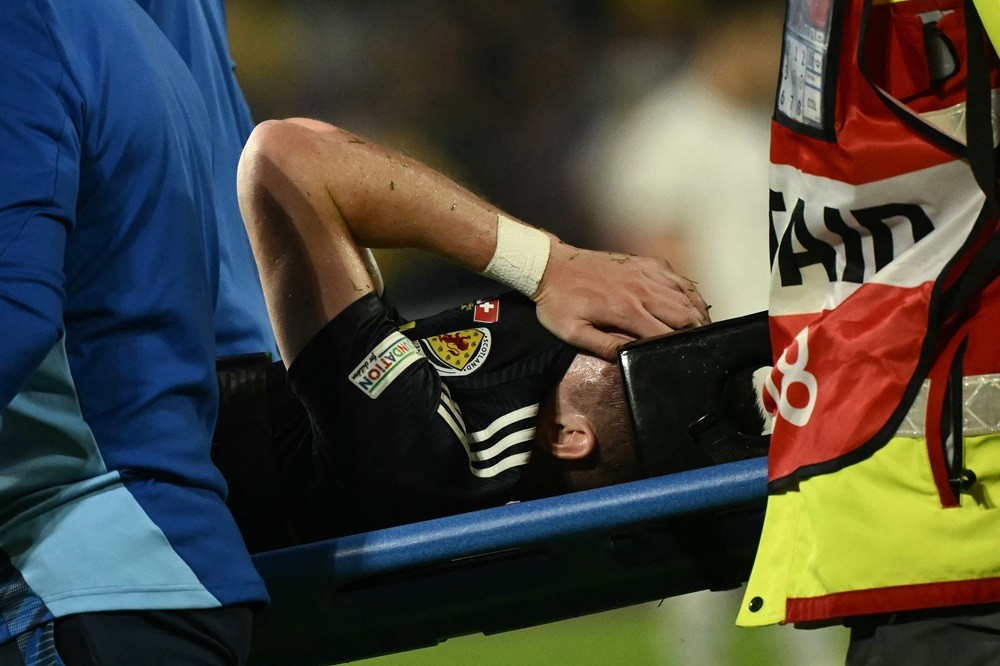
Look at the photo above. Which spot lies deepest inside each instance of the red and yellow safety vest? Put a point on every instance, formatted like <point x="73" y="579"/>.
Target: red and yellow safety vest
<point x="885" y="315"/>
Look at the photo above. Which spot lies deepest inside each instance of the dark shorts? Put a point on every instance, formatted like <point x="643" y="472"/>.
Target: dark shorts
<point x="208" y="637"/>
<point x="960" y="636"/>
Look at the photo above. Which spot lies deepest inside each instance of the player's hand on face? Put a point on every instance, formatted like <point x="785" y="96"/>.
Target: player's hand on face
<point x="597" y="301"/>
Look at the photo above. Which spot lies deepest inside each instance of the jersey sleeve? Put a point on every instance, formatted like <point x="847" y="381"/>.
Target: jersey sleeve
<point x="39" y="176"/>
<point x="372" y="398"/>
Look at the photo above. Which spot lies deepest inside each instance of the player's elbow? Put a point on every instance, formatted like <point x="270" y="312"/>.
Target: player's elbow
<point x="271" y="172"/>
<point x="268" y="157"/>
<point x="277" y="148"/>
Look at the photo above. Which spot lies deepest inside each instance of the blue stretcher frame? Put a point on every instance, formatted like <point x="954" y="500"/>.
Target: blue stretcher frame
<point x="510" y="567"/>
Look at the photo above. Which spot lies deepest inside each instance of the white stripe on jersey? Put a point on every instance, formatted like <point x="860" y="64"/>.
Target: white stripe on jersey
<point x="510" y="440"/>
<point x="502" y="466"/>
<point x="452" y="416"/>
<point x="502" y="422"/>
<point x="456" y="414"/>
<point x="455" y="428"/>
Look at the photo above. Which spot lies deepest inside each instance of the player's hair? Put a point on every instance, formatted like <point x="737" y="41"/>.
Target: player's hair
<point x="601" y="396"/>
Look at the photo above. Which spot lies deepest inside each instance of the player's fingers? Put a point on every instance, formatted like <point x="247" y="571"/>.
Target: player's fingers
<point x="696" y="299"/>
<point x="658" y="271"/>
<point x="674" y="309"/>
<point x="690" y="290"/>
<point x="599" y="343"/>
<point x="638" y="321"/>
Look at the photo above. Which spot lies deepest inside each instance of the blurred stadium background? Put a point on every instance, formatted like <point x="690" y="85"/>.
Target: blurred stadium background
<point x="638" y="125"/>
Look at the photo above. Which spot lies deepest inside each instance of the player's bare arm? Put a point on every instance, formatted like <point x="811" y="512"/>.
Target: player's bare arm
<point x="311" y="194"/>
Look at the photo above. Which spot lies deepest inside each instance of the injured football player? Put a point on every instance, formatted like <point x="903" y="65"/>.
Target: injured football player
<point x="509" y="397"/>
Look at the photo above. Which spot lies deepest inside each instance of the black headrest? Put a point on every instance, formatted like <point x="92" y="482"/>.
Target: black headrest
<point x="691" y="396"/>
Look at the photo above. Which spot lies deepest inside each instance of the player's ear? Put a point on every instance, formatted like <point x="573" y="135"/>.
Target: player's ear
<point x="563" y="430"/>
<point x="572" y="437"/>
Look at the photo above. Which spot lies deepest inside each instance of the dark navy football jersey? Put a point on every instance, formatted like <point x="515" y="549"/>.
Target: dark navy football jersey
<point x="425" y="418"/>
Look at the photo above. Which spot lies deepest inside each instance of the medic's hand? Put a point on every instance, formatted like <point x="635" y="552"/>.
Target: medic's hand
<point x="598" y="301"/>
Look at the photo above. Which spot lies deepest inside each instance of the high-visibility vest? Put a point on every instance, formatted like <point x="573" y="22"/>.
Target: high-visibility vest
<point x="989" y="12"/>
<point x="884" y="316"/>
<point x="881" y="225"/>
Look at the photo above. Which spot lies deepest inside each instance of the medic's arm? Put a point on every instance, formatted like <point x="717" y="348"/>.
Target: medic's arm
<point x="39" y="174"/>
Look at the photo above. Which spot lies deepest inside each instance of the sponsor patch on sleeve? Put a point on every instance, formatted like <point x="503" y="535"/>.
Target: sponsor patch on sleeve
<point x="386" y="362"/>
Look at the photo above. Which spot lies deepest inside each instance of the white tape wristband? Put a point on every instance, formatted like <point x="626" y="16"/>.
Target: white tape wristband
<point x="520" y="258"/>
